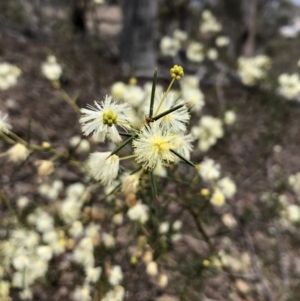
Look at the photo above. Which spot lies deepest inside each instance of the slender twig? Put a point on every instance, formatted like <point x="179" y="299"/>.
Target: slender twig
<point x="268" y="294"/>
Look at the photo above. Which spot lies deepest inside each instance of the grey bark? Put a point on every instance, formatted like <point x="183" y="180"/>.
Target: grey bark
<point x="137" y="41"/>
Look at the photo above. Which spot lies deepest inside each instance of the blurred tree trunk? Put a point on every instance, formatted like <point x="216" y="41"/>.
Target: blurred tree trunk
<point x="137" y="41"/>
<point x="249" y="47"/>
<point x="235" y="13"/>
<point x="78" y="15"/>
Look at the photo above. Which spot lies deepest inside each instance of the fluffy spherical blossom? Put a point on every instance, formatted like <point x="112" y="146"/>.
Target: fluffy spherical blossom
<point x="183" y="145"/>
<point x="175" y="121"/>
<point x="222" y="41"/>
<point x="218" y="198"/>
<point x="195" y="52"/>
<point x="162" y="280"/>
<point x="115" y="275"/>
<point x="252" y="69"/>
<point x="134" y="96"/>
<point x="80" y="145"/>
<point x="209" y="170"/>
<point x="164" y="227"/>
<point x="139" y="212"/>
<point x="51" y="69"/>
<point x="227" y="186"/>
<point x="102" y="120"/>
<point x="208" y="131"/>
<point x="93" y="274"/>
<point x="180" y="35"/>
<point x="76" y="229"/>
<point x="194" y="97"/>
<point x="293" y="213"/>
<point x="229" y="220"/>
<point x="4" y="126"/>
<point x="116" y="294"/>
<point x="70" y="210"/>
<point x="104" y="168"/>
<point x="289" y="85"/>
<point x="209" y="23"/>
<point x="45" y="167"/>
<point x="108" y="240"/>
<point x="212" y="54"/>
<point x="177" y="225"/>
<point x="130" y="183"/>
<point x="169" y="46"/>
<point x="229" y="117"/>
<point x="153" y="146"/>
<point x="8" y="75"/>
<point x="82" y="293"/>
<point x="118" y="90"/>
<point x="18" y="153"/>
<point x="152" y="268"/>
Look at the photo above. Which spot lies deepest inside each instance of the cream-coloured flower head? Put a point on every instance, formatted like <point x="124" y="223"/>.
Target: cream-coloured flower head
<point x="8" y="75"/>
<point x="153" y="146"/>
<point x="183" y="145"/>
<point x="180" y="35"/>
<point x="51" y="69"/>
<point x="289" y="85"/>
<point x="164" y="227"/>
<point x="4" y="126"/>
<point x="45" y="167"/>
<point x="102" y="120"/>
<point x="293" y="213"/>
<point x="82" y="293"/>
<point x="189" y="82"/>
<point x="218" y="198"/>
<point x="93" y="274"/>
<point x="253" y="69"/>
<point x="130" y="183"/>
<point x="222" y="41"/>
<point x="169" y="46"/>
<point x="212" y="54"/>
<point x="162" y="280"/>
<point x="195" y="52"/>
<point x="104" y="168"/>
<point x="18" y="153"/>
<point x="229" y="220"/>
<point x="227" y="186"/>
<point x="118" y="90"/>
<point x="22" y="202"/>
<point x="194" y="97"/>
<point x="134" y="96"/>
<point x="209" y="130"/>
<point x="115" y="275"/>
<point x="175" y="121"/>
<point x="81" y="145"/>
<point x="209" y="23"/>
<point x="108" y="240"/>
<point x="139" y="213"/>
<point x="209" y="170"/>
<point x="152" y="269"/>
<point x="229" y="117"/>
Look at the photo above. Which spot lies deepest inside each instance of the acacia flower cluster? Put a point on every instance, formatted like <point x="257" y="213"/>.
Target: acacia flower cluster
<point x="51" y="69"/>
<point x="253" y="69"/>
<point x="8" y="75"/>
<point x="223" y="188"/>
<point x="289" y="85"/>
<point x="158" y="141"/>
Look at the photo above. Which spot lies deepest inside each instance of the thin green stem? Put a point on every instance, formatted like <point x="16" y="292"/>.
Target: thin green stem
<point x="66" y="97"/>
<point x="127" y="157"/>
<point x="164" y="97"/>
